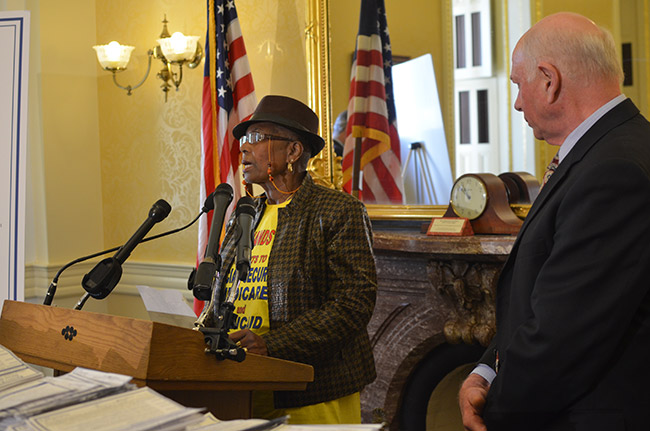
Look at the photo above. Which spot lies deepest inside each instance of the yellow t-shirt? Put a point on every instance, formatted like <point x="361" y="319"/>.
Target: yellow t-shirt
<point x="252" y="309"/>
<point x="251" y="299"/>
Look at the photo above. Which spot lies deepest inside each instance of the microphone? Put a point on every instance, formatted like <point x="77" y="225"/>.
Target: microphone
<point x="103" y="278"/>
<point x="202" y="285"/>
<point x="245" y="212"/>
<point x="51" y="290"/>
<point x="158" y="212"/>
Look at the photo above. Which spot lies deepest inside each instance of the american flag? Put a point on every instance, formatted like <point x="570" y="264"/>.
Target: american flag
<point x="228" y="99"/>
<point x="371" y="112"/>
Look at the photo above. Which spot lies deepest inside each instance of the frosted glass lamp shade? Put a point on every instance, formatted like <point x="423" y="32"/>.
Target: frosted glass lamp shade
<point x="179" y="47"/>
<point x="113" y="56"/>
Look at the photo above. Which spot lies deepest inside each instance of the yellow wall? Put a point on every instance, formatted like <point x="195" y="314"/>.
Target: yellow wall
<point x="68" y="109"/>
<point x="603" y="12"/>
<point x="149" y="149"/>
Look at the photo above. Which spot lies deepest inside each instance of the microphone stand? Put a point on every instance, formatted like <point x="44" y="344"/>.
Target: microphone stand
<point x="53" y="285"/>
<point x="216" y="337"/>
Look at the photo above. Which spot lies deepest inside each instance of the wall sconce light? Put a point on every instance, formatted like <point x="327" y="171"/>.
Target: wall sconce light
<point x="173" y="50"/>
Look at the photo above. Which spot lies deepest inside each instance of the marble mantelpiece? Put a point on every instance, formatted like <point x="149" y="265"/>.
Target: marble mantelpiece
<point x="431" y="290"/>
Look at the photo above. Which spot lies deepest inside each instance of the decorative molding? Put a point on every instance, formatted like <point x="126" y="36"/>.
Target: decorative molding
<point x="646" y="49"/>
<point x="405" y="212"/>
<point x="318" y="71"/>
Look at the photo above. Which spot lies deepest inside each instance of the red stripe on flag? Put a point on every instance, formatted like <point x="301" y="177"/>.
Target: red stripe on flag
<point x="236" y="50"/>
<point x="387" y="179"/>
<point x="243" y="87"/>
<point x="207" y="144"/>
<point x="367" y="58"/>
<point x="370" y="120"/>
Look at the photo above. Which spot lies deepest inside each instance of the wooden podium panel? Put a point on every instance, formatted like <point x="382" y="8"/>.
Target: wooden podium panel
<point x="166" y="358"/>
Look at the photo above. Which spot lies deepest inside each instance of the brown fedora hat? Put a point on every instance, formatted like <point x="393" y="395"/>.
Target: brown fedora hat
<point x="289" y="113"/>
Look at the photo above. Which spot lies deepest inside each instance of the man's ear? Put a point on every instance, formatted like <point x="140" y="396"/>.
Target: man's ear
<point x="552" y="81"/>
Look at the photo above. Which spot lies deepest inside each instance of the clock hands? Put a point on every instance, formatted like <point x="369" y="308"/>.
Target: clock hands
<point x="465" y="192"/>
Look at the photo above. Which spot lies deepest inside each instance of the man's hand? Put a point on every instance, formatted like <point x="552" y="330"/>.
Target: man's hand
<point x="251" y="342"/>
<point x="471" y="400"/>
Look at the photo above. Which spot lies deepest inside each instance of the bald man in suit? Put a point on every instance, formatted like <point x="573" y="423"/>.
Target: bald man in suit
<point x="572" y="345"/>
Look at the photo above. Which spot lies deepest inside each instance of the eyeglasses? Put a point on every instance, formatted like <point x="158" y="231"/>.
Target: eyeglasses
<point x="255" y="137"/>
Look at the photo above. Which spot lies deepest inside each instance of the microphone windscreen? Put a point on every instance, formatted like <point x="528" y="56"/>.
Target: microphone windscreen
<point x="160" y="210"/>
<point x="224" y="188"/>
<point x="245" y="205"/>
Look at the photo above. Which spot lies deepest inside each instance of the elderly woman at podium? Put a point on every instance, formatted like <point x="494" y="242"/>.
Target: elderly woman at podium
<point x="311" y="287"/>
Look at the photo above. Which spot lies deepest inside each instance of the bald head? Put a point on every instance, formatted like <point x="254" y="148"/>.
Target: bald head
<point x="583" y="51"/>
<point x="565" y="68"/>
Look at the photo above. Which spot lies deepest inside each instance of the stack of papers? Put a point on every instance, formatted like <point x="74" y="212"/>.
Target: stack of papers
<point x="49" y="393"/>
<point x="138" y="410"/>
<point x="82" y="400"/>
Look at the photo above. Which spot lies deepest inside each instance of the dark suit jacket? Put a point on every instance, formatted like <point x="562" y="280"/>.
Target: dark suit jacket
<point x="573" y="300"/>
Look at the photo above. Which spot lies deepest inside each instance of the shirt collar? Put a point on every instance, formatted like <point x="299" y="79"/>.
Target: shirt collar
<point x="579" y="131"/>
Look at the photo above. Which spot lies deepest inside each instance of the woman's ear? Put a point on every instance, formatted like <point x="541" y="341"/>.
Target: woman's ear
<point x="295" y="151"/>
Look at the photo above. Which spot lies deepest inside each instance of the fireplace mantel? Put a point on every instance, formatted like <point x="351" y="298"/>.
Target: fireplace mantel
<point x="432" y="290"/>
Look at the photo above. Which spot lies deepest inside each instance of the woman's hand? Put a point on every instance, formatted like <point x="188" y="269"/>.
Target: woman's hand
<point x="250" y="341"/>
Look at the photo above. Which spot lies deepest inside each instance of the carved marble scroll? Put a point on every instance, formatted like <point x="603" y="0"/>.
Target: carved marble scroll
<point x="469" y="288"/>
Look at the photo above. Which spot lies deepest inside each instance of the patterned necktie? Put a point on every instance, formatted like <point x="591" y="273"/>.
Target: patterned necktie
<point x="550" y="169"/>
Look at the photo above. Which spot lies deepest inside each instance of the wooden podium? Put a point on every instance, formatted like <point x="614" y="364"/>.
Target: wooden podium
<point x="166" y="358"/>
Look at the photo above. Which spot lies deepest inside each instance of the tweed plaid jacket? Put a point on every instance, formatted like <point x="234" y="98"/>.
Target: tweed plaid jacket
<point x="322" y="286"/>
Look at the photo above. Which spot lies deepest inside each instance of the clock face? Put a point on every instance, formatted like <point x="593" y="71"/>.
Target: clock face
<point x="468" y="197"/>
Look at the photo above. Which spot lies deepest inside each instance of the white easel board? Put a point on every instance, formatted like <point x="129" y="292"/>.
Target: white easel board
<point x="14" y="52"/>
<point x="419" y="119"/>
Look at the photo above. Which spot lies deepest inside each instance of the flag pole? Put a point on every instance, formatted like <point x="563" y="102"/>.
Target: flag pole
<point x="356" y="167"/>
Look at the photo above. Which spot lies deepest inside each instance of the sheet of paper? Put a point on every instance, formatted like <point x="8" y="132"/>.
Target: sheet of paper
<point x="28" y="393"/>
<point x="208" y="419"/>
<point x="231" y="425"/>
<point x="167" y="306"/>
<point x="13" y="371"/>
